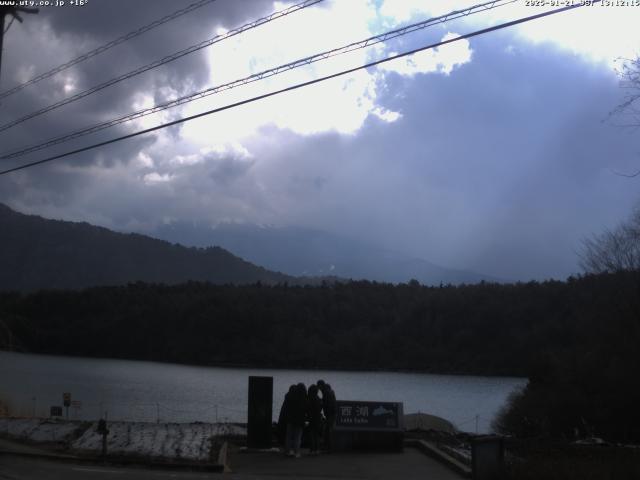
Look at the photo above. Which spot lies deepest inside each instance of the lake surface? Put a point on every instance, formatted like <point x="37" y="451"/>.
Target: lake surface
<point x="149" y="391"/>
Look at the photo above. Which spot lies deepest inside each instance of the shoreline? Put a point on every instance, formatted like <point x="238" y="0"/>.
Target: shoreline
<point x="231" y="366"/>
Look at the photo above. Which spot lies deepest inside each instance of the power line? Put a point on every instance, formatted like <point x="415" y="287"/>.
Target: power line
<point x="163" y="61"/>
<point x="107" y="46"/>
<point x="264" y="74"/>
<point x="292" y="87"/>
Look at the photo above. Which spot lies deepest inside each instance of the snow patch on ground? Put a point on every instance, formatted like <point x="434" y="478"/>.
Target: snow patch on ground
<point x="461" y="453"/>
<point x="39" y="430"/>
<point x="188" y="441"/>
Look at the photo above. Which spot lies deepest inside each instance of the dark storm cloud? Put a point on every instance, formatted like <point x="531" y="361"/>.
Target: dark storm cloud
<point x="110" y="18"/>
<point x="59" y="34"/>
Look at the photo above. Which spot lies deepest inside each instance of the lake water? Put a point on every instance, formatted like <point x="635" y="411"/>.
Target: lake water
<point x="148" y="391"/>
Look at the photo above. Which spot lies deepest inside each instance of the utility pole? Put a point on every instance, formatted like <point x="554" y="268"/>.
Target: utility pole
<point x="15" y="13"/>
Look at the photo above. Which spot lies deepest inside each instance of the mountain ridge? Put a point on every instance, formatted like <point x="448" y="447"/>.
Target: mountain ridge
<point x="303" y="251"/>
<point x="39" y="253"/>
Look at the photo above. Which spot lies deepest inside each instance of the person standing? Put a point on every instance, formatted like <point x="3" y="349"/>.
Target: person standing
<point x="329" y="408"/>
<point x="283" y="417"/>
<point x="314" y="415"/>
<point x="296" y="416"/>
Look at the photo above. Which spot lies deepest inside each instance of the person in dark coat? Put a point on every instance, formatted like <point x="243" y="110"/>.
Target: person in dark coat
<point x="282" y="418"/>
<point x="329" y="408"/>
<point x="296" y="416"/>
<point x="314" y="415"/>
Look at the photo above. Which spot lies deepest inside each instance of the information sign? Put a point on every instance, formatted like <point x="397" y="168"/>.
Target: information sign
<point x="369" y="415"/>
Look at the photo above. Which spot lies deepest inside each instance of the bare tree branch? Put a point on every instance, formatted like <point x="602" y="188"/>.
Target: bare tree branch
<point x="613" y="250"/>
<point x="629" y="75"/>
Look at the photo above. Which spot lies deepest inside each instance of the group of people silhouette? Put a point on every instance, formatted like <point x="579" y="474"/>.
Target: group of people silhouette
<point x="305" y="408"/>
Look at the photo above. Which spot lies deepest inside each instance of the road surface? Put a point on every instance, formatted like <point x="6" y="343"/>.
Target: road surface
<point x="409" y="465"/>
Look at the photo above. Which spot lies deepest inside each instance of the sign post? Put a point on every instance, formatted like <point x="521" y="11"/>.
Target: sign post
<point x="368" y="425"/>
<point x="104" y="431"/>
<point x="66" y="401"/>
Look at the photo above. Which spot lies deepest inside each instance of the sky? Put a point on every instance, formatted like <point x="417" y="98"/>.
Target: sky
<point x="496" y="154"/>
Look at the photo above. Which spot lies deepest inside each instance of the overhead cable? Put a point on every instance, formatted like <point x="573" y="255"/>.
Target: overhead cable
<point x="262" y="75"/>
<point x="107" y="46"/>
<point x="292" y="87"/>
<point x="163" y="61"/>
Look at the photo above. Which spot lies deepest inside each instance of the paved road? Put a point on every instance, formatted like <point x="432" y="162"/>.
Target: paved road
<point x="9" y="446"/>
<point x="409" y="465"/>
<point x="23" y="468"/>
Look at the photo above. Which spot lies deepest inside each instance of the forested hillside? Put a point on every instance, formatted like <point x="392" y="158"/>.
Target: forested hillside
<point x="486" y="328"/>
<point x="38" y="253"/>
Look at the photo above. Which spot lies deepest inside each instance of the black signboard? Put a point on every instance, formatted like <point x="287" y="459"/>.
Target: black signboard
<point x="56" y="411"/>
<point x="369" y="415"/>
<point x="260" y="412"/>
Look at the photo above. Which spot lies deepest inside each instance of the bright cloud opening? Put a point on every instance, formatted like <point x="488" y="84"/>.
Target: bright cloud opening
<point x="442" y="60"/>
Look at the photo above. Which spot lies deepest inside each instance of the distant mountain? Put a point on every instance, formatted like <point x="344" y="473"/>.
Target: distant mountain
<point x="37" y="253"/>
<point x="301" y="251"/>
